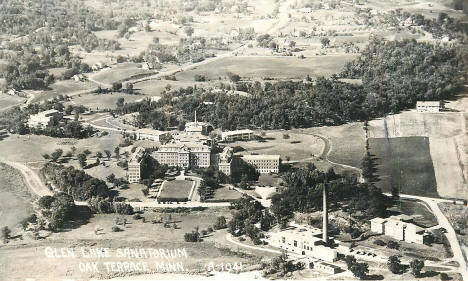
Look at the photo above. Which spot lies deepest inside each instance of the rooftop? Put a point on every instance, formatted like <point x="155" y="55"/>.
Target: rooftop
<point x="428" y="103"/>
<point x="246" y="131"/>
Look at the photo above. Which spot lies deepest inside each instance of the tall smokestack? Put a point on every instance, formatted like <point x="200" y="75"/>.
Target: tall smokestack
<point x="325" y="216"/>
<point x="196" y="118"/>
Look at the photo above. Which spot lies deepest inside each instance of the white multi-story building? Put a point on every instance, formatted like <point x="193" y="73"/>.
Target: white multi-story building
<point x="263" y="163"/>
<point x="184" y="155"/>
<point x="399" y="228"/>
<point x="237" y="135"/>
<point x="42" y="118"/>
<point x="225" y="161"/>
<point x="134" y="166"/>
<point x="429" y="106"/>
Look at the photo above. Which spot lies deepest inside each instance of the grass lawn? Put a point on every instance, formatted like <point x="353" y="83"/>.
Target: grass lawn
<point x="404" y="163"/>
<point x="269" y="180"/>
<point x="423" y="216"/>
<point x="224" y="194"/>
<point x="269" y="67"/>
<point x="296" y="147"/>
<point x="176" y="190"/>
<point x="15" y="199"/>
<point x="154" y="88"/>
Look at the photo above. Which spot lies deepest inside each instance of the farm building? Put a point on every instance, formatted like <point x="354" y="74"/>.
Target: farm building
<point x="400" y="228"/>
<point x="42" y="118"/>
<point x="429" y="106"/>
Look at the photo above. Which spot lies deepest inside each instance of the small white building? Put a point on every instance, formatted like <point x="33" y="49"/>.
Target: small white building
<point x="429" y="106"/>
<point x="237" y="135"/>
<point x="400" y="228"/>
<point x="150" y="134"/>
<point x="42" y="118"/>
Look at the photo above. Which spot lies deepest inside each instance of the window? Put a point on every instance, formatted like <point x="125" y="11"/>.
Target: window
<point x="283" y="240"/>
<point x="295" y="243"/>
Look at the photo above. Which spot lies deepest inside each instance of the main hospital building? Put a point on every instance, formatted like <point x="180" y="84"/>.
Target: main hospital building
<point x="193" y="149"/>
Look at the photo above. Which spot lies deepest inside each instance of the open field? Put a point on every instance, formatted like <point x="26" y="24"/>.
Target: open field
<point x="404" y="163"/>
<point x="15" y="199"/>
<point x="103" y="101"/>
<point x="63" y="87"/>
<point x="117" y="73"/>
<point x="347" y="142"/>
<point x="154" y="88"/>
<point x="297" y="147"/>
<point x="7" y="101"/>
<point x="176" y="190"/>
<point x="269" y="67"/>
<point x="447" y="141"/>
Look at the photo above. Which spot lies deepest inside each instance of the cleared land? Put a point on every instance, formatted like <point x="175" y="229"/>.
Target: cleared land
<point x="154" y="88"/>
<point x="404" y="163"/>
<point x="15" y="199"/>
<point x="7" y="101"/>
<point x="63" y="87"/>
<point x="103" y="101"/>
<point x="422" y="214"/>
<point x="176" y="190"/>
<point x="118" y="72"/>
<point x="268" y="67"/>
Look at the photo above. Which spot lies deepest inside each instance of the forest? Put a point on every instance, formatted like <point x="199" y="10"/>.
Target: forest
<point x="76" y="183"/>
<point x="394" y="76"/>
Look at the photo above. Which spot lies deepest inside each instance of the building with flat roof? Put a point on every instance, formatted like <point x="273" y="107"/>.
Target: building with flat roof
<point x="184" y="155"/>
<point x="237" y="135"/>
<point x="134" y="166"/>
<point x="225" y="160"/>
<point x="42" y="118"/>
<point x="399" y="228"/>
<point x="263" y="163"/>
<point x="429" y="106"/>
<point x="151" y="134"/>
<point x="303" y="240"/>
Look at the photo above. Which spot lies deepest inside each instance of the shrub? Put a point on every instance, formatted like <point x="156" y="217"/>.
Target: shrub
<point x="116" y="229"/>
<point x="220" y="223"/>
<point x="393" y="245"/>
<point x="193" y="236"/>
<point x="379" y="242"/>
<point x="137" y="216"/>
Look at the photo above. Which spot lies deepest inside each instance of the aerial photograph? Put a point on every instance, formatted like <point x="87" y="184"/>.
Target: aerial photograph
<point x="233" y="140"/>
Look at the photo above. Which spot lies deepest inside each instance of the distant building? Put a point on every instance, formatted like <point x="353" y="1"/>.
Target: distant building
<point x="147" y="65"/>
<point x="184" y="155"/>
<point x="150" y="134"/>
<point x="79" y="77"/>
<point x="42" y="118"/>
<point x="134" y="166"/>
<point x="399" y="228"/>
<point x="263" y="163"/>
<point x="98" y="66"/>
<point x="191" y="138"/>
<point x="225" y="161"/>
<point x="429" y="106"/>
<point x="237" y="135"/>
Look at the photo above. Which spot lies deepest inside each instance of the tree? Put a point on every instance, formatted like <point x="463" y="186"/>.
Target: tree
<point x="108" y="154"/>
<point x="189" y="30"/>
<point x="120" y="102"/>
<point x="117" y="152"/>
<point x="82" y="159"/>
<point x="111" y="178"/>
<point x="87" y="152"/>
<point x="394" y="265"/>
<point x="416" y="267"/>
<point x="56" y="154"/>
<point x="350" y="260"/>
<point x="46" y="156"/>
<point x="220" y="223"/>
<point x="325" y="42"/>
<point x="99" y="154"/>
<point x="360" y="269"/>
<point x="6" y="232"/>
<point x="116" y="86"/>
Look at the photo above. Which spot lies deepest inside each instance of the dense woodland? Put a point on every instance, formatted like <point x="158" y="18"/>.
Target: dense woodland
<point x="394" y="74"/>
<point x="42" y="37"/>
<point x="303" y="192"/>
<point x="76" y="183"/>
